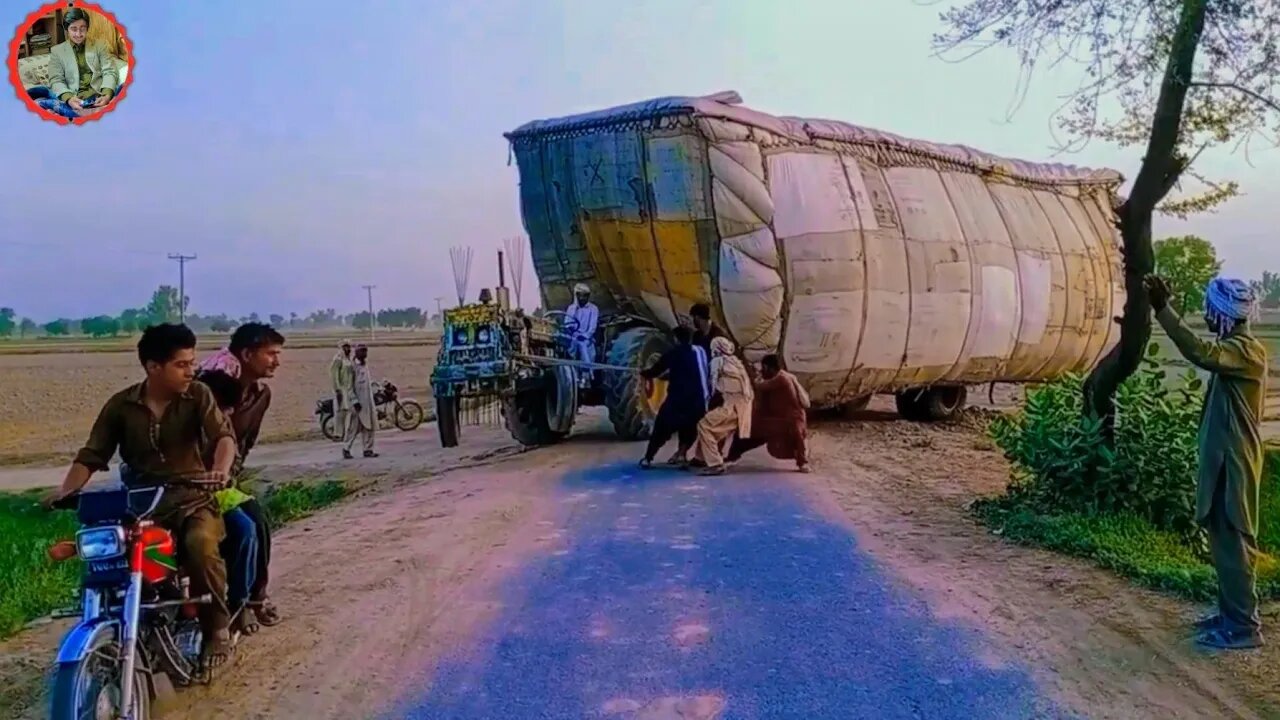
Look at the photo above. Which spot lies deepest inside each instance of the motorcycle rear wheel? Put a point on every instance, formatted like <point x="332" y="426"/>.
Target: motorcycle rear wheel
<point x="90" y="689"/>
<point x="328" y="426"/>
<point x="408" y="415"/>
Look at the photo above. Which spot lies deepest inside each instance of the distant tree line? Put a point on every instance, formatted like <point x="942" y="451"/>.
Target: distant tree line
<point x="164" y="306"/>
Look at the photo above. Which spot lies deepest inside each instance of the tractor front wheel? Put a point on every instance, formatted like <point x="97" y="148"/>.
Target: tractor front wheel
<point x="526" y="419"/>
<point x="447" y="421"/>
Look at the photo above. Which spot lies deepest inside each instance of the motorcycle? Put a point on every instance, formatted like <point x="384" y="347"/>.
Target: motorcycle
<point x="138" y="636"/>
<point x="389" y="410"/>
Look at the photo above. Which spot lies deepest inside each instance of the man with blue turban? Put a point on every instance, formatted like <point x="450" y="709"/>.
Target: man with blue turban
<point x="1231" y="450"/>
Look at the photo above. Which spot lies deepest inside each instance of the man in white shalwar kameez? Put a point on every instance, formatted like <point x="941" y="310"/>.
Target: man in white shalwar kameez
<point x="361" y="420"/>
<point x="587" y="316"/>
<point x="729" y="380"/>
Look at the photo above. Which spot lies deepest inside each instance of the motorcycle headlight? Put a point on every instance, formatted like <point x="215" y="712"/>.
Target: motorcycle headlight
<point x="100" y="543"/>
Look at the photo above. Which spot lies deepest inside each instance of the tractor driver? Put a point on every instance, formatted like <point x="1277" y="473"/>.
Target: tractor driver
<point x="587" y="316"/>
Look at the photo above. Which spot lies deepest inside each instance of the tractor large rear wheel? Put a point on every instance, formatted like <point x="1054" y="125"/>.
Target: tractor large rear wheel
<point x="526" y="419"/>
<point x="631" y="409"/>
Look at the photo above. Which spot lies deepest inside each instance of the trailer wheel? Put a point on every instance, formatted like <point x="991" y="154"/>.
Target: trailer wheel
<point x="447" y="421"/>
<point x="935" y="404"/>
<point x="631" y="410"/>
<point x="526" y="418"/>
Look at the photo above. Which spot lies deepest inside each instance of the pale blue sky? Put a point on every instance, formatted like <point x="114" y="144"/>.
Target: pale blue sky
<point x="302" y="152"/>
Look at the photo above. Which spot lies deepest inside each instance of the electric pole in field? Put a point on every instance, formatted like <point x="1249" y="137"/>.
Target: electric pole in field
<point x="182" y="283"/>
<point x="373" y="319"/>
<point x="440" y="308"/>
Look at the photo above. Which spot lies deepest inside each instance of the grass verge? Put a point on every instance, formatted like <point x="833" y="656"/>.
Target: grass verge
<point x="31" y="586"/>
<point x="1133" y="548"/>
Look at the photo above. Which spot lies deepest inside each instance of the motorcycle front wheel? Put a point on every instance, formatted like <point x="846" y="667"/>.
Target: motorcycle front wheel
<point x="90" y="689"/>
<point x="408" y="415"/>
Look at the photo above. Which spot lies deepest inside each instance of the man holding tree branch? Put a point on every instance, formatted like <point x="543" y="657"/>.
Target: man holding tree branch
<point x="1231" y="451"/>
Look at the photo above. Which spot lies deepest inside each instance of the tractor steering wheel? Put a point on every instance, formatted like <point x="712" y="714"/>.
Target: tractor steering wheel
<point x="568" y="325"/>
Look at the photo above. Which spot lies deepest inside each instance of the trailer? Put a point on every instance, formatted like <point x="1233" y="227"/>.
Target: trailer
<point x="869" y="262"/>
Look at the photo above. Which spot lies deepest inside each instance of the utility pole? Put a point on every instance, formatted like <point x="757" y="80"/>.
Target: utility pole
<point x="182" y="284"/>
<point x="373" y="319"/>
<point x="440" y="308"/>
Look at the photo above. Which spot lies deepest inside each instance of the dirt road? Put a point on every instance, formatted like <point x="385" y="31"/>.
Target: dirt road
<point x="562" y="581"/>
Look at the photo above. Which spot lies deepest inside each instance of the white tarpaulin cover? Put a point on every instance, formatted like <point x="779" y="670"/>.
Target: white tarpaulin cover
<point x="871" y="262"/>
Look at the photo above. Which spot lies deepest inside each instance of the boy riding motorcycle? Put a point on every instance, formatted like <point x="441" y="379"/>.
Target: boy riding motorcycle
<point x="160" y="427"/>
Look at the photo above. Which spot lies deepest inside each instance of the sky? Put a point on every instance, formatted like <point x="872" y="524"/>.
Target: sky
<point x="302" y="151"/>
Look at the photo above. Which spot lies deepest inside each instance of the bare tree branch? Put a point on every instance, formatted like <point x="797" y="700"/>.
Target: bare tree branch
<point x="1240" y="89"/>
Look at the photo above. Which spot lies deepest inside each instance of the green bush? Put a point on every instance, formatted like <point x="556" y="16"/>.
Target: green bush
<point x="1062" y="465"/>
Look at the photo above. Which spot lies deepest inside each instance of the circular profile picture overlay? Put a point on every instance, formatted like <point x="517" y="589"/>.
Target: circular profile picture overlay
<point x="70" y="62"/>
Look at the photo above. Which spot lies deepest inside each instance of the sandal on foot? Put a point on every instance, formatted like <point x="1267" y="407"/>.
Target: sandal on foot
<point x="646" y="464"/>
<point x="245" y="623"/>
<point x="710" y="471"/>
<point x="1229" y="640"/>
<point x="218" y="650"/>
<point x="266" y="613"/>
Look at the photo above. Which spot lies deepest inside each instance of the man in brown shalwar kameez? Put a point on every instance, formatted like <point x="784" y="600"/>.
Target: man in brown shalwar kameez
<point x="777" y="417"/>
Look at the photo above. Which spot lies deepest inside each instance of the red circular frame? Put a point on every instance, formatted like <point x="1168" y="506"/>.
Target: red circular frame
<point x="15" y="78"/>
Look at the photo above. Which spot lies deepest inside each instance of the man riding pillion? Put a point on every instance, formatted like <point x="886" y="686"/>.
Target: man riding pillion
<point x="1231" y="450"/>
<point x="160" y="427"/>
<point x="587" y="316"/>
<point x="252" y="357"/>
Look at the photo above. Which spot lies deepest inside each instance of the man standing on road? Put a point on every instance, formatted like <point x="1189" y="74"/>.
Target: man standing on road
<point x="587" y="318"/>
<point x="339" y="369"/>
<point x="777" y="417"/>
<point x="1231" y="452"/>
<point x="730" y="381"/>
<point x="363" y="415"/>
<point x="687" y="394"/>
<point x="161" y="427"/>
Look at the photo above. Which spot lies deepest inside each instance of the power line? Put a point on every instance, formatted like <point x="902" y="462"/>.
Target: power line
<point x="182" y="283"/>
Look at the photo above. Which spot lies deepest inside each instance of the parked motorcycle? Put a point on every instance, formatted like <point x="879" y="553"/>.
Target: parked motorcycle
<point x="390" y="409"/>
<point x="138" y="635"/>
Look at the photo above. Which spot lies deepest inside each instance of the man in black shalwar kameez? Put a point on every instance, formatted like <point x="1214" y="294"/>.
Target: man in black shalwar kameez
<point x="687" y="393"/>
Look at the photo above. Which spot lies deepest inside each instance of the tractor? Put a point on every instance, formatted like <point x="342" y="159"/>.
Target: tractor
<point x="493" y="353"/>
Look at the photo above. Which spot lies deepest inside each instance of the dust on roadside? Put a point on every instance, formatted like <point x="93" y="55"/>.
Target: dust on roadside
<point x="1093" y="640"/>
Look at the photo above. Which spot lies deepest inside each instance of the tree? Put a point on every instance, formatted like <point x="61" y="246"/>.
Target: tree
<point x="1268" y="289"/>
<point x="164" y="306"/>
<point x="293" y="319"/>
<point x="7" y="323"/>
<point x="100" y="326"/>
<point x="1188" y="263"/>
<point x="131" y="320"/>
<point x="26" y="327"/>
<point x="221" y="324"/>
<point x="1175" y="77"/>
<point x="276" y="320"/>
<point x="360" y="320"/>
<point x="58" y="327"/>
